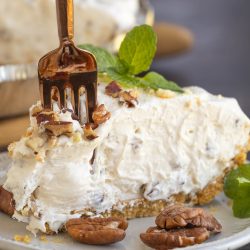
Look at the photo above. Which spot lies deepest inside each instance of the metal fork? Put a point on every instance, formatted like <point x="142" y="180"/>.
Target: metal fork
<point x="68" y="68"/>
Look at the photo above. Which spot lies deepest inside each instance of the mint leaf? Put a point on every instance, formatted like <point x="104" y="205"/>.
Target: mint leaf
<point x="135" y="56"/>
<point x="156" y="81"/>
<point x="138" y="49"/>
<point x="237" y="183"/>
<point x="127" y="81"/>
<point x="104" y="58"/>
<point x="237" y="187"/>
<point x="241" y="208"/>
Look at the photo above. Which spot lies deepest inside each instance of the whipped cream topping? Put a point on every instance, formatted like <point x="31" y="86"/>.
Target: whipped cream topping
<point x="159" y="148"/>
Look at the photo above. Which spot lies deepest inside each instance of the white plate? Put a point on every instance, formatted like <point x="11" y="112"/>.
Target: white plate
<point x="236" y="232"/>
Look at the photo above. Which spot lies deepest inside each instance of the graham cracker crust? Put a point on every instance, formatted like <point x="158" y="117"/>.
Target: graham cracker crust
<point x="145" y="208"/>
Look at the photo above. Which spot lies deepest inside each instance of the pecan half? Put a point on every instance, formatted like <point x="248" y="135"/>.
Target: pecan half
<point x="179" y="216"/>
<point x="128" y="97"/>
<point x="113" y="89"/>
<point x="100" y="115"/>
<point x="89" y="133"/>
<point x="161" y="239"/>
<point x="97" y="231"/>
<point x="7" y="203"/>
<point x="58" y="128"/>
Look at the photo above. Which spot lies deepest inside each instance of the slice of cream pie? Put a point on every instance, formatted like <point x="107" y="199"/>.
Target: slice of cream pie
<point x="143" y="152"/>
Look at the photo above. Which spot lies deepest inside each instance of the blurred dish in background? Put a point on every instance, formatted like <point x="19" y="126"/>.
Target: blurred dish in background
<point x="24" y="23"/>
<point x="18" y="89"/>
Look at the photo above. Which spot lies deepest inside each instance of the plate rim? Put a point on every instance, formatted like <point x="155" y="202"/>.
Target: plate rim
<point x="231" y="242"/>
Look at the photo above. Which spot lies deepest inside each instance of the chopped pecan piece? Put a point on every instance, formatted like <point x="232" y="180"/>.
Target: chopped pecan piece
<point x="97" y="231"/>
<point x="89" y="133"/>
<point x="58" y="128"/>
<point x="45" y="116"/>
<point x="162" y="239"/>
<point x="113" y="89"/>
<point x="36" y="110"/>
<point x="179" y="216"/>
<point x="129" y="97"/>
<point x="73" y="115"/>
<point x="7" y="203"/>
<point x="94" y="125"/>
<point x="100" y="115"/>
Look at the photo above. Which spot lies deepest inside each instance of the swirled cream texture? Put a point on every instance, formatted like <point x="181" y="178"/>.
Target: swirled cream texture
<point x="159" y="148"/>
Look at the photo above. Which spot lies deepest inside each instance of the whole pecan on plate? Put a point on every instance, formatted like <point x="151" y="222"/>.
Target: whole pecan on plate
<point x="97" y="231"/>
<point x="179" y="216"/>
<point x="162" y="239"/>
<point x="179" y="226"/>
<point x="7" y="203"/>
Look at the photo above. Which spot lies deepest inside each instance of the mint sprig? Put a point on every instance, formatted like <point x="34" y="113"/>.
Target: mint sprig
<point x="138" y="49"/>
<point x="135" y="56"/>
<point x="237" y="188"/>
<point x="104" y="59"/>
<point x="128" y="81"/>
<point x="157" y="81"/>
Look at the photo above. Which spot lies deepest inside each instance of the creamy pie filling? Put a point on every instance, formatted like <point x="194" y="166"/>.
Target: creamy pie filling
<point x="156" y="149"/>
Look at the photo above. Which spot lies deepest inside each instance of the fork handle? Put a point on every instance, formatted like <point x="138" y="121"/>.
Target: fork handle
<point x="65" y="19"/>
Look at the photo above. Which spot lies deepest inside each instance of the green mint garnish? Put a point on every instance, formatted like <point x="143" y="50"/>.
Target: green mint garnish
<point x="241" y="208"/>
<point x="157" y="81"/>
<point x="103" y="57"/>
<point x="135" y="56"/>
<point x="237" y="188"/>
<point x="138" y="49"/>
<point x="126" y="80"/>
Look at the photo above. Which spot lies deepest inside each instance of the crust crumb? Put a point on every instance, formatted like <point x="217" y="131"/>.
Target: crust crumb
<point x="213" y="209"/>
<point x="198" y="101"/>
<point x="188" y="104"/>
<point x="22" y="238"/>
<point x="241" y="157"/>
<point x="165" y="93"/>
<point x="43" y="238"/>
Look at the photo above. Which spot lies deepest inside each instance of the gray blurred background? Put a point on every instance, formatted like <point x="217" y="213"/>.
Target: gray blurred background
<point x="220" y="59"/>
